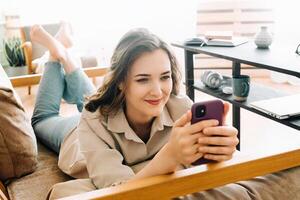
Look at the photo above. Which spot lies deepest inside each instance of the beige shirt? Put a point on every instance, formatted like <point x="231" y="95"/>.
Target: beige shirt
<point x="106" y="149"/>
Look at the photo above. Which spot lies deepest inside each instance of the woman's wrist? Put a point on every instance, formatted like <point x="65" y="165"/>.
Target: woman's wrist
<point x="162" y="163"/>
<point x="168" y="159"/>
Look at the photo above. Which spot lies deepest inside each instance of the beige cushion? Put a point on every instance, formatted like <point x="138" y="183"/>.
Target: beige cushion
<point x="36" y="185"/>
<point x="18" y="149"/>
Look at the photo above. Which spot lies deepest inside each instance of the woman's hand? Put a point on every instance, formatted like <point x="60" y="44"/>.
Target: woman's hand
<point x="183" y="143"/>
<point x="219" y="143"/>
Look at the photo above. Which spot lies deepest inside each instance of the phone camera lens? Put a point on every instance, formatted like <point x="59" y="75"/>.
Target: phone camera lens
<point x="200" y="111"/>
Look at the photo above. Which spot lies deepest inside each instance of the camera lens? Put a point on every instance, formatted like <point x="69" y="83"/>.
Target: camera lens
<point x="200" y="111"/>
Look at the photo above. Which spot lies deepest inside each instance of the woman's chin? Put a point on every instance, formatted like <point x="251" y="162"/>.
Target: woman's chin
<point x="155" y="112"/>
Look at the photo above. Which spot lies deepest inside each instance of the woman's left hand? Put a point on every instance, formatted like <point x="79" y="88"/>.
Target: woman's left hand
<point x="219" y="143"/>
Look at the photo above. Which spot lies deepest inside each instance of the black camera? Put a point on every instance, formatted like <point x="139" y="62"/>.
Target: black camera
<point x="200" y="111"/>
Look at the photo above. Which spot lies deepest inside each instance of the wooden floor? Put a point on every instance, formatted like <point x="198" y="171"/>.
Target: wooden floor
<point x="259" y="135"/>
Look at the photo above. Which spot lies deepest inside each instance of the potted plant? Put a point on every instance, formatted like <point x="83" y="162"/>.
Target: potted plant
<point x="15" y="57"/>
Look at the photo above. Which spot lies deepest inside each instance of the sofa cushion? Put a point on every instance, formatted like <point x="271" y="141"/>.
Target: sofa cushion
<point x="36" y="185"/>
<point x="18" y="149"/>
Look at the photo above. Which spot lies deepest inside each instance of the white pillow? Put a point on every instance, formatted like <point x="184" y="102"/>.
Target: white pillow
<point x="4" y="80"/>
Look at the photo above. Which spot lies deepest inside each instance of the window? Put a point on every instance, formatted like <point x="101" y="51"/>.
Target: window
<point x="243" y="17"/>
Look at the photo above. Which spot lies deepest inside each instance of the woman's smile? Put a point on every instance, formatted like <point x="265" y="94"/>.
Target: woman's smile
<point x="154" y="101"/>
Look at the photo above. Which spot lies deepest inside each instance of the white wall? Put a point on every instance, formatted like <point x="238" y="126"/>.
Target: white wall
<point x="287" y="17"/>
<point x="100" y="24"/>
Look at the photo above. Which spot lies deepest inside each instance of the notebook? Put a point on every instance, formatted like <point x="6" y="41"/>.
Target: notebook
<point x="281" y="107"/>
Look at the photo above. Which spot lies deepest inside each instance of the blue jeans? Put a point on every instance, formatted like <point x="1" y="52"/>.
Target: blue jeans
<point x="49" y="127"/>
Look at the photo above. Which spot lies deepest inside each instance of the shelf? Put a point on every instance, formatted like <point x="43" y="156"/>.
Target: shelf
<point x="278" y="57"/>
<point x="257" y="92"/>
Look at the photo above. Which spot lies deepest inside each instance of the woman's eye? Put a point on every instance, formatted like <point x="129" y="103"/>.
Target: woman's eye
<point x="142" y="80"/>
<point x="165" y="77"/>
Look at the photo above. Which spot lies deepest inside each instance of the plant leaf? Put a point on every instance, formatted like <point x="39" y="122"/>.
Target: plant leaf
<point x="13" y="52"/>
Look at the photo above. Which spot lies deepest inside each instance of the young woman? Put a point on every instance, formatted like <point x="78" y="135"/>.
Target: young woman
<point x="136" y="125"/>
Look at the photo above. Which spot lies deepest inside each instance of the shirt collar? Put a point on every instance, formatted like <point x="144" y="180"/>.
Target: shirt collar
<point x="164" y="119"/>
<point x="118" y="123"/>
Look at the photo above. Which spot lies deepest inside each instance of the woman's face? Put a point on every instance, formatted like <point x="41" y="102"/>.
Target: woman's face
<point x="148" y="86"/>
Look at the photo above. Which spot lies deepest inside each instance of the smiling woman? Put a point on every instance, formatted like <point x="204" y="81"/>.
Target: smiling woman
<point x="105" y="146"/>
<point x="135" y="126"/>
<point x="148" y="88"/>
<point x="139" y="61"/>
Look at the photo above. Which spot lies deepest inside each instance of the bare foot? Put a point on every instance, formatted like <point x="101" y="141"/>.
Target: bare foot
<point x="65" y="34"/>
<point x="56" y="49"/>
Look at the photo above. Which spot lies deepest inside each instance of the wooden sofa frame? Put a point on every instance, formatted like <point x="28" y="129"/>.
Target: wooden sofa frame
<point x="3" y="192"/>
<point x="187" y="181"/>
<point x="33" y="79"/>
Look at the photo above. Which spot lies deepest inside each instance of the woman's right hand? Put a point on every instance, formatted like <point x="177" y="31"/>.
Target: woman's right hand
<point x="183" y="143"/>
<point x="181" y="149"/>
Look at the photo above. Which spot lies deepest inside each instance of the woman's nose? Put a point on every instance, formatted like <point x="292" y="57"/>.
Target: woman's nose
<point x="156" y="89"/>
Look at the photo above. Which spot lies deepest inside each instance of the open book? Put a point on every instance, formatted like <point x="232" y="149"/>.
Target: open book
<point x="202" y="41"/>
<point x="235" y="41"/>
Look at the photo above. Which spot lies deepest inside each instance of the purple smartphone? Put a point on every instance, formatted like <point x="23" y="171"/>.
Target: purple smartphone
<point x="205" y="110"/>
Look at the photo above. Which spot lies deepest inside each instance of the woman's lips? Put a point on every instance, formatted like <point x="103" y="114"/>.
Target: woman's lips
<point x="153" y="102"/>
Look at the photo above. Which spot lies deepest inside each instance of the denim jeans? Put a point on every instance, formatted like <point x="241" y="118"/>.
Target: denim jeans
<point x="51" y="128"/>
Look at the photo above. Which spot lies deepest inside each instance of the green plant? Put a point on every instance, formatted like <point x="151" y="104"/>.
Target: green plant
<point x="13" y="52"/>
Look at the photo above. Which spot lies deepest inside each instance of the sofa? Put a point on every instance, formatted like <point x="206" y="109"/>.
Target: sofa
<point x="28" y="169"/>
<point x="34" y="167"/>
<point x="41" y="164"/>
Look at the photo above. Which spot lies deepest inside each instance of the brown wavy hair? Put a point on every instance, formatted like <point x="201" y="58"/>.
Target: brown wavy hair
<point x="109" y="98"/>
